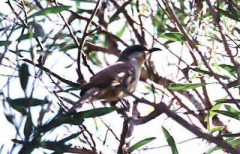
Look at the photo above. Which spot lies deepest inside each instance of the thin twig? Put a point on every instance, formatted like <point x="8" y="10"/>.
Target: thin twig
<point x="73" y="84"/>
<point x="121" y="149"/>
<point x="162" y="108"/>
<point x="84" y="38"/>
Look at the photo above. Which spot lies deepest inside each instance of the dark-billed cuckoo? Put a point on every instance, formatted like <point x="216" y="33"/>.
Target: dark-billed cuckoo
<point x="117" y="80"/>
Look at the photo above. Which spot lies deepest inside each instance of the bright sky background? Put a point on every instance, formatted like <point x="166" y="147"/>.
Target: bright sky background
<point x="150" y="129"/>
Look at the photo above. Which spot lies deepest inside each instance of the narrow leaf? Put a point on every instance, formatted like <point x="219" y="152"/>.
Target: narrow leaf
<point x="232" y="135"/>
<point x="122" y="30"/>
<point x="141" y="143"/>
<point x="216" y="128"/>
<point x="179" y="86"/>
<point x="215" y="107"/>
<point x="20" y="104"/>
<point x="231" y="69"/>
<point x="24" y="76"/>
<point x="58" y="147"/>
<point x="216" y="148"/>
<point x="170" y="141"/>
<point x="229" y="114"/>
<point x="228" y="14"/>
<point x="75" y="118"/>
<point x="233" y="84"/>
<point x="93" y="56"/>
<point x="70" y="137"/>
<point x="3" y="43"/>
<point x="50" y="10"/>
<point x="25" y="36"/>
<point x="173" y="36"/>
<point x="237" y="29"/>
<point x="224" y="101"/>
<point x="94" y="112"/>
<point x="207" y="72"/>
<point x="231" y="109"/>
<point x="28" y="126"/>
<point x="233" y="143"/>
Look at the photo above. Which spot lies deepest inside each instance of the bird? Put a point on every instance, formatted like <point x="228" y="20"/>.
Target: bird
<point x="117" y="80"/>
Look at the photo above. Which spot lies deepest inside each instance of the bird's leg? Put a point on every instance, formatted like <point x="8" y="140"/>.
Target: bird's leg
<point x="125" y="104"/>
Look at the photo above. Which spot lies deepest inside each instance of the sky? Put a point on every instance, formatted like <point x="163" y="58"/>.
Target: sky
<point x="151" y="129"/>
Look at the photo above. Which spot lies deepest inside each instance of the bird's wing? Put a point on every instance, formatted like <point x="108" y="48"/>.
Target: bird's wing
<point x="110" y="76"/>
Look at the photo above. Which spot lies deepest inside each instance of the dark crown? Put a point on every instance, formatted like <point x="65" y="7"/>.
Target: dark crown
<point x="131" y="49"/>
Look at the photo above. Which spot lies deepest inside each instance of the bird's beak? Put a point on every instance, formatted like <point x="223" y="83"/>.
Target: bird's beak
<point x="153" y="49"/>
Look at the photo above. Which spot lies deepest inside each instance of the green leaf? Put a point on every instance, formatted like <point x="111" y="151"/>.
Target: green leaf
<point x="68" y="100"/>
<point x="122" y="30"/>
<point x="231" y="135"/>
<point x="231" y="69"/>
<point x="24" y="76"/>
<point x="84" y="10"/>
<point x="200" y="70"/>
<point x="25" y="36"/>
<point x="237" y="29"/>
<point x="70" y="137"/>
<point x="229" y="114"/>
<point x="207" y="14"/>
<point x="50" y="10"/>
<point x="213" y="149"/>
<point x="140" y="143"/>
<point x="228" y="14"/>
<point x="10" y="118"/>
<point x="20" y="104"/>
<point x="207" y="72"/>
<point x="173" y="36"/>
<point x="93" y="56"/>
<point x="93" y="113"/>
<point x="231" y="109"/>
<point x="224" y="101"/>
<point x="215" y="107"/>
<point x="58" y="147"/>
<point x="28" y="126"/>
<point x="68" y="46"/>
<point x="170" y="141"/>
<point x="216" y="128"/>
<point x="233" y="143"/>
<point x="75" y="118"/>
<point x="5" y="43"/>
<point x="232" y="84"/>
<point x="218" y="104"/>
<point x="179" y="86"/>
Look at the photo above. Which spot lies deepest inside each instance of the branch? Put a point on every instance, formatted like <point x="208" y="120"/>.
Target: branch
<point x="101" y="28"/>
<point x="130" y="21"/>
<point x="84" y="38"/>
<point x="193" y="46"/>
<point x="71" y="150"/>
<point x="73" y="84"/>
<point x="123" y="137"/>
<point x="195" y="130"/>
<point x="162" y="108"/>
<point x="224" y="40"/>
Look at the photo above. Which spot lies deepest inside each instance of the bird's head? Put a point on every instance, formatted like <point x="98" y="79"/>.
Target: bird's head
<point x="136" y="53"/>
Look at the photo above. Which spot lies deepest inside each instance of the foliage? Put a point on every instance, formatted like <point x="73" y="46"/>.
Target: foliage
<point x="197" y="73"/>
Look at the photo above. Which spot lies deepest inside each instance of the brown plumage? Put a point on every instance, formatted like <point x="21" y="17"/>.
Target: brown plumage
<point x="117" y="80"/>
<point x="112" y="75"/>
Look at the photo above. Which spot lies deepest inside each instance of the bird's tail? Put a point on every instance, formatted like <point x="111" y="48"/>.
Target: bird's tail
<point x="86" y="98"/>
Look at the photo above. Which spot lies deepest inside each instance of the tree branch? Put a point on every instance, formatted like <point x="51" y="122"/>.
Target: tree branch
<point x="162" y="108"/>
